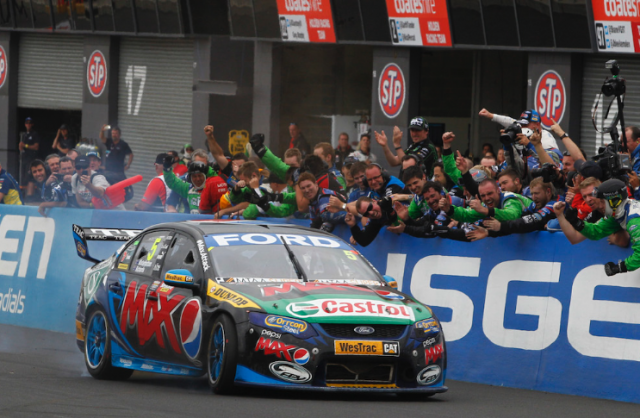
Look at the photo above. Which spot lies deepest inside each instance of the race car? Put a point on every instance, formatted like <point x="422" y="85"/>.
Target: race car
<point x="254" y="304"/>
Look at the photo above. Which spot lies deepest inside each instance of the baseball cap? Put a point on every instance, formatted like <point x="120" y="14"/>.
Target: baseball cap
<point x="160" y="158"/>
<point x="28" y="120"/>
<point x="588" y="169"/>
<point x="419" y="123"/>
<point x="63" y="126"/>
<point x="82" y="162"/>
<point x="93" y="154"/>
<point x="529" y="116"/>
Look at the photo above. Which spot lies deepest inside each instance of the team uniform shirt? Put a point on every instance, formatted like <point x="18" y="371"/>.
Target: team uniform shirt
<point x="9" y="187"/>
<point x="215" y="188"/>
<point x="30" y="139"/>
<point x="511" y="206"/>
<point x="319" y="205"/>
<point x="363" y="157"/>
<point x="392" y="186"/>
<point x="533" y="219"/>
<point x="116" y="153"/>
<point x="184" y="189"/>
<point x="357" y="193"/>
<point x="339" y="177"/>
<point x="419" y="208"/>
<point x="610" y="225"/>
<point x="156" y="193"/>
<point x="427" y="154"/>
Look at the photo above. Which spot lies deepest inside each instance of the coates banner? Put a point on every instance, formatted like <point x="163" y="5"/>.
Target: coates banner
<point x="419" y="22"/>
<point x="306" y="21"/>
<point x="617" y="25"/>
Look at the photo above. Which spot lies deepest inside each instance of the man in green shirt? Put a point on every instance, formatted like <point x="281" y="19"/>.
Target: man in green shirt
<point x="620" y="213"/>
<point x="492" y="204"/>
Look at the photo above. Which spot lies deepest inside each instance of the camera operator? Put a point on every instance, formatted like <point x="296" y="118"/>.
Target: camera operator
<point x="380" y="213"/>
<point x="620" y="213"/>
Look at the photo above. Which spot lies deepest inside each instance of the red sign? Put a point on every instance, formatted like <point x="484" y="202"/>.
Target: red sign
<point x="96" y="73"/>
<point x="617" y="25"/>
<point x="3" y="66"/>
<point x="419" y="22"/>
<point x="306" y="21"/>
<point x="391" y="90"/>
<point x="550" y="97"/>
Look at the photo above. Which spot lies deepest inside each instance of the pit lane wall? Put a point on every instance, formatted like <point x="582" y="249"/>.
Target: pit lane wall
<point x="528" y="311"/>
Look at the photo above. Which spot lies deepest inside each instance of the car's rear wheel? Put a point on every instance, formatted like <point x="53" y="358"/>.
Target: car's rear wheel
<point x="97" y="350"/>
<point x="222" y="355"/>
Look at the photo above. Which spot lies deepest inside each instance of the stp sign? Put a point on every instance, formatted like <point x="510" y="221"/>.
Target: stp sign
<point x="3" y="66"/>
<point x="550" y="98"/>
<point x="391" y="90"/>
<point x="96" y="73"/>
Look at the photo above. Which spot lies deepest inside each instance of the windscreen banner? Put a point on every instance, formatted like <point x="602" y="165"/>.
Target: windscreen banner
<point x="306" y="21"/>
<point x="528" y="310"/>
<point x="419" y="22"/>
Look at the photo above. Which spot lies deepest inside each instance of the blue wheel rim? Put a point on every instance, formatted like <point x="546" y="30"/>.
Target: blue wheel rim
<point x="216" y="353"/>
<point x="96" y="340"/>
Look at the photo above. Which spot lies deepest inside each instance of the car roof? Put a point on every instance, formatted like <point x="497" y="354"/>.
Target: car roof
<point x="208" y="227"/>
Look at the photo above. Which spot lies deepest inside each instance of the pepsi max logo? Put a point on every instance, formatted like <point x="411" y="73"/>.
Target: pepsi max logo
<point x="389" y="295"/>
<point x="301" y="356"/>
<point x="364" y="330"/>
<point x="191" y="328"/>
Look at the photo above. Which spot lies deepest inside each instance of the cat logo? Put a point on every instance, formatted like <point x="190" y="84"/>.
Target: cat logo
<point x="238" y="141"/>
<point x="391" y="348"/>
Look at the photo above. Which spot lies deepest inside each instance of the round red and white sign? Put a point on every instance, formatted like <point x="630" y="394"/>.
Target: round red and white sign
<point x="4" y="66"/>
<point x="550" y="98"/>
<point x="97" y="73"/>
<point x="391" y="90"/>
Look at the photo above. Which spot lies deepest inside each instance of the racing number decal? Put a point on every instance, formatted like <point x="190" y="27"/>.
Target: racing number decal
<point x="153" y="248"/>
<point x="350" y="255"/>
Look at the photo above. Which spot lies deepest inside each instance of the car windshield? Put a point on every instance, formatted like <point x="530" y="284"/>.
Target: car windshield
<point x="263" y="257"/>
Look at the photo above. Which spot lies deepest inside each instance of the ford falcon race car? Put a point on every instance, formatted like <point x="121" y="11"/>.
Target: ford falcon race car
<point x="252" y="304"/>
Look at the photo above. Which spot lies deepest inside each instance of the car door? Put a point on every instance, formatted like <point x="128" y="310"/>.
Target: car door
<point x="143" y="313"/>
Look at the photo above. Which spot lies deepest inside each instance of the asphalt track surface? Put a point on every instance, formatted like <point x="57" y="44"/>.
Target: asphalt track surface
<point x="42" y="374"/>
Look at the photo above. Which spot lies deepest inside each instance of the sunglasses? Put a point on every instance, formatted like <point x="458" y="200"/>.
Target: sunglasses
<point x="369" y="209"/>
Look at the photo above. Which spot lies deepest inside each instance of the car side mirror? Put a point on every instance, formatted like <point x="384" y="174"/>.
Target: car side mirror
<point x="390" y="281"/>
<point x="180" y="278"/>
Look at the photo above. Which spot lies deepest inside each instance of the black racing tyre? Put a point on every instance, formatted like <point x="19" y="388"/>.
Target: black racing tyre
<point x="97" y="350"/>
<point x="222" y="354"/>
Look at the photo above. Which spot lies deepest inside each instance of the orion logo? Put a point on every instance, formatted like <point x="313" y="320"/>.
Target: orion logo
<point x="391" y="90"/>
<point x="96" y="73"/>
<point x="3" y="66"/>
<point x="550" y="98"/>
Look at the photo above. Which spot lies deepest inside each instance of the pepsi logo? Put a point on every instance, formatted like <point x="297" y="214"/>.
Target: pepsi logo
<point x="3" y="66"/>
<point x="391" y="90"/>
<point x="389" y="295"/>
<point x="191" y="328"/>
<point x="96" y="73"/>
<point x="301" y="356"/>
<point x="550" y="98"/>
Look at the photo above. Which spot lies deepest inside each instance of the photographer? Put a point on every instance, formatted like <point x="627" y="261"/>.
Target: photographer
<point x="620" y="213"/>
<point x="87" y="184"/>
<point x="58" y="193"/>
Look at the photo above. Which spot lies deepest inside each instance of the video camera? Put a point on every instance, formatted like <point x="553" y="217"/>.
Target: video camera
<point x="548" y="172"/>
<point x="613" y="165"/>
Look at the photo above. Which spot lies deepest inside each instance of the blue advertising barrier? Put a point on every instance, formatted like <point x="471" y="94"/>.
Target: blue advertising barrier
<point x="528" y="311"/>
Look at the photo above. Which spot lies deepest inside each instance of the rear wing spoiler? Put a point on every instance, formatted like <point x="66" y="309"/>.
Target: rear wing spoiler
<point x="82" y="235"/>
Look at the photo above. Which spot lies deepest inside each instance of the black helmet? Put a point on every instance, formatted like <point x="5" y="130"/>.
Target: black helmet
<point x="198" y="167"/>
<point x="613" y="191"/>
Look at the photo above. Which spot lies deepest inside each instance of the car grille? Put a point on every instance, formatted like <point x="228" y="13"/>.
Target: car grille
<point x="357" y="372"/>
<point x="382" y="331"/>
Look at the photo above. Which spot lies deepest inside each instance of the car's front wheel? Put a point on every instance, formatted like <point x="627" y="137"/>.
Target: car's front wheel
<point x="222" y="355"/>
<point x="97" y="350"/>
